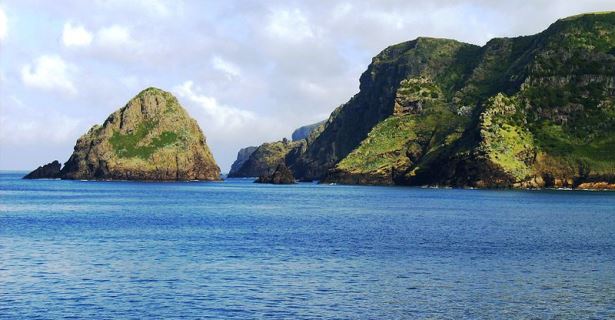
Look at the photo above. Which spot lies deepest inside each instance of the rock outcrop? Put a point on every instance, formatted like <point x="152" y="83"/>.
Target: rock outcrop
<point x="151" y="138"/>
<point x="48" y="171"/>
<point x="242" y="156"/>
<point x="281" y="175"/>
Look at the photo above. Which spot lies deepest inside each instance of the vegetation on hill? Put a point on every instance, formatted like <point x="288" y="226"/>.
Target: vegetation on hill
<point x="529" y="111"/>
<point x="151" y="138"/>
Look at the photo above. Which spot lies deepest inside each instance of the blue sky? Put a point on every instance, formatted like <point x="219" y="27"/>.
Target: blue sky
<point x="248" y="71"/>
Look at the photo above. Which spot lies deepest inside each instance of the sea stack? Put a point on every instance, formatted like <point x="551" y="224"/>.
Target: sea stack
<point x="151" y="138"/>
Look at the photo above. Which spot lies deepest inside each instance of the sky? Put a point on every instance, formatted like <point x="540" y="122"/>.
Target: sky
<point x="248" y="71"/>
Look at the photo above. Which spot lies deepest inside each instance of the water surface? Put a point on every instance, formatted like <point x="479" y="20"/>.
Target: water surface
<point x="241" y="250"/>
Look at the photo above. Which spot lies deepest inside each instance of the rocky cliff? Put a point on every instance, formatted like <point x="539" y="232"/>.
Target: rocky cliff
<point x="242" y="156"/>
<point x="531" y="111"/>
<point x="151" y="138"/>
<point x="265" y="159"/>
<point x="526" y="114"/>
<point x="281" y="175"/>
<point x="305" y="131"/>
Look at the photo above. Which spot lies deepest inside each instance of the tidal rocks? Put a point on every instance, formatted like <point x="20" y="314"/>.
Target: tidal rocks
<point x="48" y="171"/>
<point x="281" y="175"/>
<point x="151" y="138"/>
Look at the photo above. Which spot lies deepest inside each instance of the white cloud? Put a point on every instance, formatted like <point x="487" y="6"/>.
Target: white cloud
<point x="227" y="67"/>
<point x="49" y="72"/>
<point x="114" y="36"/>
<point x="341" y="10"/>
<point x="152" y="8"/>
<point x="290" y="25"/>
<point x="228" y="128"/>
<point x="75" y="36"/>
<point x="218" y="115"/>
<point x="56" y="129"/>
<point x="3" y="24"/>
<point x="130" y="81"/>
<point x="23" y="125"/>
<point x="295" y="60"/>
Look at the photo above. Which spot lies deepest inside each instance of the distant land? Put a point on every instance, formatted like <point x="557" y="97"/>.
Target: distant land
<point x="525" y="112"/>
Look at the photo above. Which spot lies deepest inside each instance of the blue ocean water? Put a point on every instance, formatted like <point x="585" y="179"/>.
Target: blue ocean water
<point x="234" y="249"/>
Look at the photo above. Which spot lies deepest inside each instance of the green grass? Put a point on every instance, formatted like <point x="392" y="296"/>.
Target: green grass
<point x="382" y="147"/>
<point x="399" y="140"/>
<point x="505" y="139"/>
<point x="127" y="145"/>
<point x="508" y="149"/>
<point x="598" y="153"/>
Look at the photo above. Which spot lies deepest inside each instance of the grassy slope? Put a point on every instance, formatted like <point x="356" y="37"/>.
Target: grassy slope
<point x="134" y="144"/>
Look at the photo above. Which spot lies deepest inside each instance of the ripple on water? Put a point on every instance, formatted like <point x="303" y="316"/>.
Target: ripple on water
<point x="235" y="250"/>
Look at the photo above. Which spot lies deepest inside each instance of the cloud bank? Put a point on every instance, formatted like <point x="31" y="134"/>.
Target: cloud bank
<point x="248" y="71"/>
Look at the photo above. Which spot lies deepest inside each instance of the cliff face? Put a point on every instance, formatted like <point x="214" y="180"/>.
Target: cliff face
<point x="265" y="159"/>
<point x="242" y="156"/>
<point x="532" y="111"/>
<point x="151" y="138"/>
<point x="350" y="123"/>
<point x="281" y="175"/>
<point x="305" y="131"/>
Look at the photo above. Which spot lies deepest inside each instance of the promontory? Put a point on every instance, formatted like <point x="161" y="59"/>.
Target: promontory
<point x="525" y="112"/>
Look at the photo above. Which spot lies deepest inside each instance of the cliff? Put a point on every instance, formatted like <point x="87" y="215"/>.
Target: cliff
<point x="305" y="131"/>
<point x="242" y="156"/>
<point x="265" y="159"/>
<point x="530" y="111"/>
<point x="281" y="175"/>
<point x="534" y="111"/>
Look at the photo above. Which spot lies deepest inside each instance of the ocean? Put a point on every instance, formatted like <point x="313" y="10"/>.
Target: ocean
<point x="239" y="250"/>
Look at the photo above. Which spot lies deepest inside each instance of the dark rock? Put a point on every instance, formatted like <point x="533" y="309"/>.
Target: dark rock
<point x="281" y="175"/>
<point x="242" y="156"/>
<point x="48" y="171"/>
<point x="265" y="159"/>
